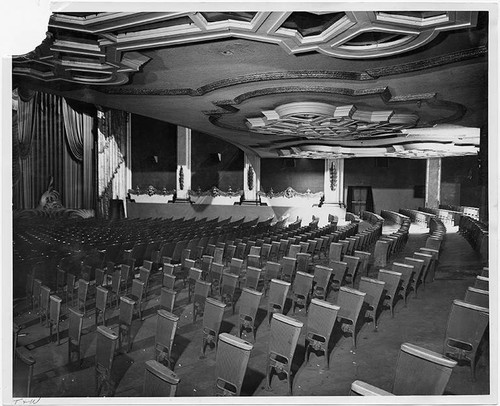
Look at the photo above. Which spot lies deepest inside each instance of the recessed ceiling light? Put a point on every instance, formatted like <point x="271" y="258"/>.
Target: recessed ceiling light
<point x="227" y="52"/>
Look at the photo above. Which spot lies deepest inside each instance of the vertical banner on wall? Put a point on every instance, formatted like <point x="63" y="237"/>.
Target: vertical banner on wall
<point x="251" y="176"/>
<point x="113" y="139"/>
<point x="333" y="187"/>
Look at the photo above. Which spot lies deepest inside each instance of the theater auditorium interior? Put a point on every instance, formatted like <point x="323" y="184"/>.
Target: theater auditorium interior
<point x="256" y="204"/>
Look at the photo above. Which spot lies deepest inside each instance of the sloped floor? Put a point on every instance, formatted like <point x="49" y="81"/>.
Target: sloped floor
<point x="422" y="322"/>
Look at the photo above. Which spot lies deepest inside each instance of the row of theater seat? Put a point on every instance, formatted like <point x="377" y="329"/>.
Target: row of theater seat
<point x="114" y="278"/>
<point x="420" y="371"/>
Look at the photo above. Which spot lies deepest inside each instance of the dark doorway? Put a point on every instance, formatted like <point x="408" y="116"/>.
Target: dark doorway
<point x="359" y="199"/>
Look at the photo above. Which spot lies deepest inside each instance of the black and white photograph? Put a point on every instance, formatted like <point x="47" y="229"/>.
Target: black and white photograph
<point x="281" y="203"/>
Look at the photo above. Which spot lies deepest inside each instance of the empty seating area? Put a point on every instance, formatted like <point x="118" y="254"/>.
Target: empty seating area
<point x="265" y="309"/>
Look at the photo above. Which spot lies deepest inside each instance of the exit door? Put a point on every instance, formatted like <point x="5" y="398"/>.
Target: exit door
<point x="359" y="199"/>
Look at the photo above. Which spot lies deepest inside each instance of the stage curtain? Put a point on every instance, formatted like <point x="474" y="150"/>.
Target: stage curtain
<point x="24" y="129"/>
<point x="45" y="153"/>
<point x="112" y="138"/>
<point x="80" y="143"/>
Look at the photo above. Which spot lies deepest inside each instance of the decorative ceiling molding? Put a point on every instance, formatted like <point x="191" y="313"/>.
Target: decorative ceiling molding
<point x="72" y="61"/>
<point x="103" y="48"/>
<point x="416" y="143"/>
<point x="312" y="120"/>
<point x="216" y="117"/>
<point x="350" y="34"/>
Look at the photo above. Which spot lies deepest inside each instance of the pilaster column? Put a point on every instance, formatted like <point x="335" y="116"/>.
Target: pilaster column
<point x="433" y="182"/>
<point x="251" y="176"/>
<point x="333" y="186"/>
<point x="183" y="173"/>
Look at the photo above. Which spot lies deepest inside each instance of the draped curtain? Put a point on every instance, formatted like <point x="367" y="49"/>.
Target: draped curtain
<point x="43" y="150"/>
<point x="113" y="140"/>
<point x="80" y="143"/>
<point x="23" y="131"/>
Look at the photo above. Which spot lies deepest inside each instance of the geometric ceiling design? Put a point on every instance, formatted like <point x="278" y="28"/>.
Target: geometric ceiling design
<point x="328" y="84"/>
<point x="106" y="50"/>
<point x="327" y="122"/>
<point x="439" y="141"/>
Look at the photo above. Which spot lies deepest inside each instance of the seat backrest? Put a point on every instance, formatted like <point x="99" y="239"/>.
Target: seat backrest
<point x="253" y="261"/>
<point x="253" y="277"/>
<point x="418" y="266"/>
<point x="254" y="250"/>
<point x="285" y="333"/>
<point x="201" y="290"/>
<point x="303" y="261"/>
<point x="219" y="255"/>
<point x="322" y="276"/>
<point x="212" y="317"/>
<point x="339" y="269"/>
<point x="265" y="251"/>
<point x="187" y="264"/>
<point x="335" y="251"/>
<point x="381" y="253"/>
<point x="231" y="362"/>
<point x="350" y="302"/>
<point x="166" y="327"/>
<point x="352" y="265"/>
<point x="405" y="270"/>
<point x="293" y="250"/>
<point x="302" y="284"/>
<point x="126" y="310"/>
<point x="278" y="291"/>
<point x="321" y="318"/>
<point x="115" y="281"/>
<point x="229" y="282"/>
<point x="99" y="276"/>
<point x="482" y="283"/>
<point x="206" y="263"/>
<point x="427" y="262"/>
<point x="240" y="251"/>
<point x="45" y="297"/>
<point x="364" y="258"/>
<point x="466" y="326"/>
<point x="105" y="347"/>
<point x="138" y="288"/>
<point x="159" y="381"/>
<point x="236" y="266"/>
<point x="421" y="372"/>
<point x="360" y="388"/>
<point x="249" y="302"/>
<point x="195" y="274"/>
<point x="23" y="366"/>
<point x="125" y="272"/>
<point x="391" y="280"/>
<point x="273" y="270"/>
<point x="229" y="252"/>
<point x="55" y="308"/>
<point x="288" y="266"/>
<point x="167" y="298"/>
<point x="168" y="269"/>
<point x="75" y="324"/>
<point x="373" y="289"/>
<point x="477" y="297"/>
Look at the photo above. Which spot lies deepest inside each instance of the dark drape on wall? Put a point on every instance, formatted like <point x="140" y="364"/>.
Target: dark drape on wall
<point x="114" y="176"/>
<point x="41" y="151"/>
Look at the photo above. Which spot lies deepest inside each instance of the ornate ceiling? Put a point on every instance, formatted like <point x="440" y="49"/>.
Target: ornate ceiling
<point x="298" y="84"/>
